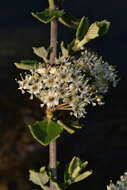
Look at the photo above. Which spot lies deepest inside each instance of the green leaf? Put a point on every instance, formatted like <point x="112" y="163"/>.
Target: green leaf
<point x="75" y="124"/>
<point x="74" y="166"/>
<point x="67" y="176"/>
<point x="71" y="46"/>
<point x="48" y="15"/>
<point x="69" y="21"/>
<point x="84" y="164"/>
<point x="64" y="50"/>
<point x="95" y="30"/>
<point x="82" y="176"/>
<point x="104" y="26"/>
<point x="45" y="131"/>
<point x="92" y="33"/>
<point x="39" y="178"/>
<point x="68" y="129"/>
<point x="75" y="171"/>
<point x="82" y="28"/>
<point x="41" y="52"/>
<point x="27" y="64"/>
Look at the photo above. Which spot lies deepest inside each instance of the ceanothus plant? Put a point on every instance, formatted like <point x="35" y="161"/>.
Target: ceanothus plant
<point x="68" y="80"/>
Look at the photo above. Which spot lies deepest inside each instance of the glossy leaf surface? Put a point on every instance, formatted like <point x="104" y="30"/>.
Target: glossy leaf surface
<point x="69" y="21"/>
<point x="48" y="15"/>
<point x="82" y="28"/>
<point x="45" y="131"/>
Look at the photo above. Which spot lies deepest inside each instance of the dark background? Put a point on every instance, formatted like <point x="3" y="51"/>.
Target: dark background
<point x="103" y="141"/>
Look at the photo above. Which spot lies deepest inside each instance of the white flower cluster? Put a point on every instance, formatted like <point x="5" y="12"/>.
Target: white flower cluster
<point x="120" y="185"/>
<point x="71" y="83"/>
<point x="102" y="73"/>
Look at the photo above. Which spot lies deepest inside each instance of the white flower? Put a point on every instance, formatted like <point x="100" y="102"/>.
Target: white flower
<point x="53" y="70"/>
<point x="35" y="88"/>
<point x="72" y="84"/>
<point x="50" y="81"/>
<point x="51" y="98"/>
<point x="41" y="71"/>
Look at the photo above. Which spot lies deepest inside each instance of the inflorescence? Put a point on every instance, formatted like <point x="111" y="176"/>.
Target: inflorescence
<point x="71" y="83"/>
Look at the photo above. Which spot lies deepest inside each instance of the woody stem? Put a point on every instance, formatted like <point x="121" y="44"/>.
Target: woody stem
<point x="53" y="45"/>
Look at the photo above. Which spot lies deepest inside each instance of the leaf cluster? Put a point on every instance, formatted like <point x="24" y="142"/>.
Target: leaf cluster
<point x="75" y="172"/>
<point x="85" y="31"/>
<point x="46" y="131"/>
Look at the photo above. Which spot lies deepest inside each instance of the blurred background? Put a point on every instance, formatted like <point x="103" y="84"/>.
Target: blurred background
<point x="103" y="141"/>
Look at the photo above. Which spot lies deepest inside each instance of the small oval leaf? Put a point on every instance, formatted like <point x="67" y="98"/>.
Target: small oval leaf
<point x="73" y="164"/>
<point x="104" y="26"/>
<point x="82" y="176"/>
<point x="48" y="15"/>
<point x="64" y="50"/>
<point x="69" y="21"/>
<point x="45" y="131"/>
<point x="68" y="129"/>
<point x="75" y="171"/>
<point x="39" y="178"/>
<point x="97" y="29"/>
<point x="27" y="64"/>
<point x="82" y="28"/>
<point x="41" y="52"/>
<point x="92" y="33"/>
